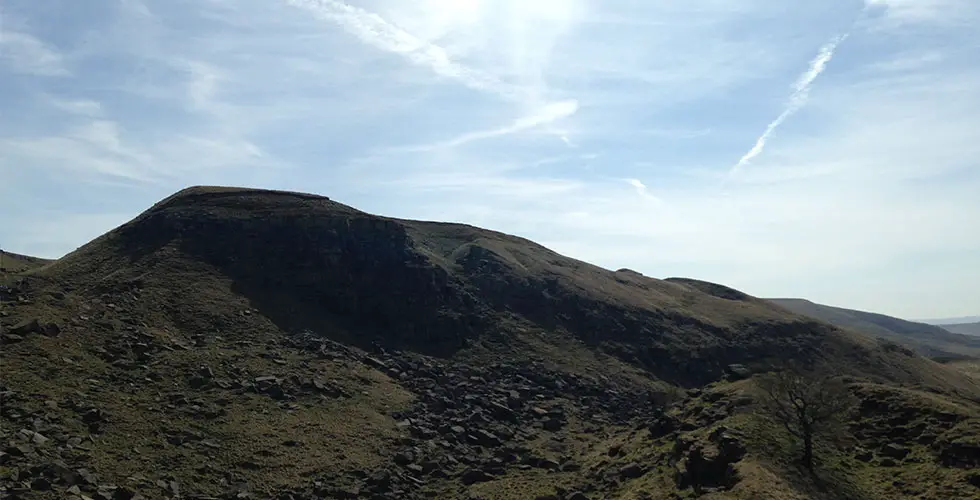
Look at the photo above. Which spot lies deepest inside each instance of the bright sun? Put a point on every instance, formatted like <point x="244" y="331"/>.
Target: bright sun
<point x="457" y="10"/>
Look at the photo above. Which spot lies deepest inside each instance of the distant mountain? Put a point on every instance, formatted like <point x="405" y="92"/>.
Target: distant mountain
<point x="964" y="328"/>
<point x="951" y="321"/>
<point x="929" y="340"/>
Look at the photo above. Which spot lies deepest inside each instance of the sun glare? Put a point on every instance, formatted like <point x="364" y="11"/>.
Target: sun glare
<point x="457" y="10"/>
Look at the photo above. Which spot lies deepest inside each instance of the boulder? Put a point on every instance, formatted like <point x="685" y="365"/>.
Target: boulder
<point x="631" y="471"/>
<point x="26" y="327"/>
<point x="737" y="372"/>
<point x="473" y="476"/>
<point x="895" y="451"/>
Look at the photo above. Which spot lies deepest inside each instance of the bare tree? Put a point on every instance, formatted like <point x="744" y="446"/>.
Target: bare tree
<point x="806" y="404"/>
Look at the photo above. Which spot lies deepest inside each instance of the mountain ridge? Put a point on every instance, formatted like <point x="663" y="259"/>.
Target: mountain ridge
<point x="467" y="268"/>
<point x="929" y="340"/>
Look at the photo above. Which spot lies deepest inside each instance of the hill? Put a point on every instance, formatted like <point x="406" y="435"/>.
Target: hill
<point x="928" y="340"/>
<point x="964" y="328"/>
<point x="233" y="343"/>
<point x="13" y="263"/>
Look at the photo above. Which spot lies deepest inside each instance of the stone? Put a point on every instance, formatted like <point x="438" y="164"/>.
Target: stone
<point x="631" y="471"/>
<point x="272" y="387"/>
<point x="546" y="463"/>
<point x="553" y="424"/>
<point x="473" y="476"/>
<point x="88" y="477"/>
<point x="895" y="451"/>
<point x="20" y="450"/>
<point x="502" y="412"/>
<point x="12" y="338"/>
<point x="62" y="474"/>
<point x="327" y="389"/>
<point x="41" y="484"/>
<point x="124" y="493"/>
<point x="404" y="458"/>
<point x="93" y="416"/>
<point x="974" y="479"/>
<point x="375" y="362"/>
<point x="737" y="372"/>
<point x="26" y="327"/>
<point x="661" y="426"/>
<point x="578" y="495"/>
<point x="50" y="329"/>
<point x="197" y="382"/>
<point x="703" y="466"/>
<point x="484" y="438"/>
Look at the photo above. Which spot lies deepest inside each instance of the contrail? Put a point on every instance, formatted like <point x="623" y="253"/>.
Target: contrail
<point x="376" y="31"/>
<point x="801" y="92"/>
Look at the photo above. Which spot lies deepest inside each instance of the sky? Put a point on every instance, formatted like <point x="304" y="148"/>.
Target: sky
<point x="826" y="150"/>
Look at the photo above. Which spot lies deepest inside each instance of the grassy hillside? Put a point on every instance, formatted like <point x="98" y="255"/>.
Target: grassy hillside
<point x="233" y="343"/>
<point x="929" y="340"/>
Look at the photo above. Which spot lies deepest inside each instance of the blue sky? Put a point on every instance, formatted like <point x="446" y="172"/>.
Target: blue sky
<point x="826" y="150"/>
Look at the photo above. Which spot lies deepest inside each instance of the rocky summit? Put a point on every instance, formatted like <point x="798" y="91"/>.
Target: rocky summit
<point x="235" y="343"/>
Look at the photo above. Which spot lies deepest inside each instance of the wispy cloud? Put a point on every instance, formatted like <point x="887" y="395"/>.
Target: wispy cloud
<point x="81" y="107"/>
<point x="374" y="30"/>
<point x="23" y="53"/>
<point x="95" y="147"/>
<point x="642" y="189"/>
<point x="801" y="93"/>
